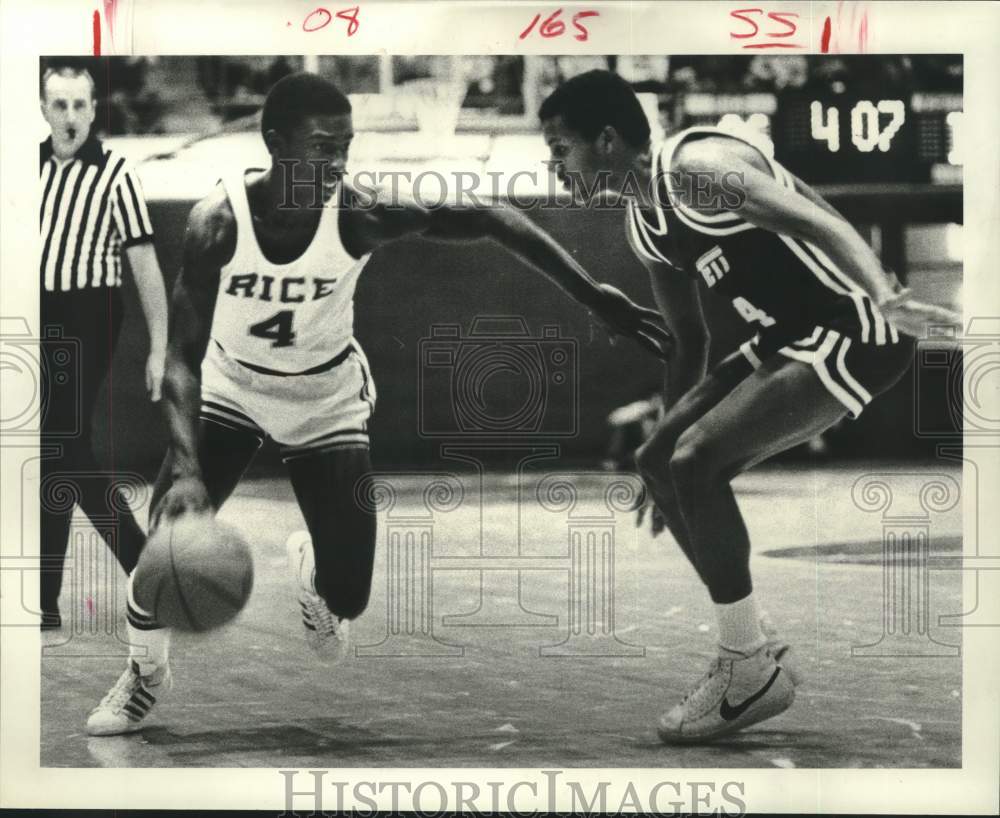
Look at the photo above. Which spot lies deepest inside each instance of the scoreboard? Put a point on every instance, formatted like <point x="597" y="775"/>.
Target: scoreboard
<point x="827" y="137"/>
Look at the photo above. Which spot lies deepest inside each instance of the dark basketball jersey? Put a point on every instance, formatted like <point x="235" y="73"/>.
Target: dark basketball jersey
<point x="779" y="284"/>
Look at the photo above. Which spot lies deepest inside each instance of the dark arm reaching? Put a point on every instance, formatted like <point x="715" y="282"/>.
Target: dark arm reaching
<point x="515" y="231"/>
<point x="803" y="214"/>
<point x="208" y="243"/>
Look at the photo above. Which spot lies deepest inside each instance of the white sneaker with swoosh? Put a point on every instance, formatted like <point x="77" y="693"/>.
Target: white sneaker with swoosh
<point x="738" y="690"/>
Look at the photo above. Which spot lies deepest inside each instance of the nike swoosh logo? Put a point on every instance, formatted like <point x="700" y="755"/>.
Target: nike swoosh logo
<point x="729" y="712"/>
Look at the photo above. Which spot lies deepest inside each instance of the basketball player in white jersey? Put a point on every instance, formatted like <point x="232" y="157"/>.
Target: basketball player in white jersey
<point x="710" y="212"/>
<point x="261" y="345"/>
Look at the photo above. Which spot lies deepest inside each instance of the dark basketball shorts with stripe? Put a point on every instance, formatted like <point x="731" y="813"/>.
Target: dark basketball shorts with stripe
<point x="304" y="414"/>
<point x="853" y="368"/>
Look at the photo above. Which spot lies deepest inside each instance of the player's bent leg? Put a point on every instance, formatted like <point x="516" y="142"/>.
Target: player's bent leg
<point x="782" y="404"/>
<point x="653" y="457"/>
<point x="333" y="564"/>
<point x="779" y="406"/>
<point x="224" y="453"/>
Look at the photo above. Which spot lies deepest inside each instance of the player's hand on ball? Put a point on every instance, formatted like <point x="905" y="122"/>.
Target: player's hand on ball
<point x="916" y="318"/>
<point x="622" y="316"/>
<point x="186" y="495"/>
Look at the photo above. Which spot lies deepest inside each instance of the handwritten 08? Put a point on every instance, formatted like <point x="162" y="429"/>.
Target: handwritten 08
<point x="320" y="18"/>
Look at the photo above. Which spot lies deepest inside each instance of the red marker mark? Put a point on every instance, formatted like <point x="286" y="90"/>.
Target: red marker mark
<point x="110" y="16"/>
<point x="584" y="34"/>
<point x="782" y="17"/>
<point x="739" y="14"/>
<point x="321" y="12"/>
<point x="552" y="26"/>
<point x="323" y="17"/>
<point x="351" y="15"/>
<point x="845" y="30"/>
<point x="786" y="27"/>
<point x="90" y="605"/>
<point x="97" y="33"/>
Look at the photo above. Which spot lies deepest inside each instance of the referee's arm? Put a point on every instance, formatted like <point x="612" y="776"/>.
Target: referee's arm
<point x="132" y="220"/>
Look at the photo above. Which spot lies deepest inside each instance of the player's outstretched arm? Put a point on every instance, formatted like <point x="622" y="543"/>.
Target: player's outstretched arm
<point x="768" y="204"/>
<point x="525" y="239"/>
<point x="208" y="243"/>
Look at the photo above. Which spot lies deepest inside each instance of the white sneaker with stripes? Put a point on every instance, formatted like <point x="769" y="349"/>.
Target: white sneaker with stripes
<point x="127" y="704"/>
<point x="327" y="634"/>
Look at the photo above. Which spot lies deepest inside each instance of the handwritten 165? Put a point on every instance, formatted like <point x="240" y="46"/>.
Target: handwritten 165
<point x="552" y="26"/>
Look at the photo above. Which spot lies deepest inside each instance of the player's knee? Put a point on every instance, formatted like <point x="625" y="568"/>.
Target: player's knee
<point x="691" y="462"/>
<point x="652" y="458"/>
<point x="648" y="461"/>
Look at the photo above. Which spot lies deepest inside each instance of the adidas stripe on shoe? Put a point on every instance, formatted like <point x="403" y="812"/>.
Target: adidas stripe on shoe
<point x="127" y="704"/>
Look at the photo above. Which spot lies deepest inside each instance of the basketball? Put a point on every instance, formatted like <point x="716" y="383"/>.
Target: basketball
<point x="195" y="573"/>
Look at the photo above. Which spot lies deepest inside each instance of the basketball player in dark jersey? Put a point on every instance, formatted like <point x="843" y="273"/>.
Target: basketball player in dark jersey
<point x="261" y="344"/>
<point x="709" y="211"/>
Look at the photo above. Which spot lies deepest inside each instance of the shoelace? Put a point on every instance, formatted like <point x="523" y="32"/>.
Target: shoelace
<point x="119" y="695"/>
<point x="713" y="669"/>
<point x="320" y="615"/>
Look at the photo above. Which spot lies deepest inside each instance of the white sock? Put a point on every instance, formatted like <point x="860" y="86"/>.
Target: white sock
<point x="148" y="647"/>
<point x="739" y="625"/>
<point x="306" y="569"/>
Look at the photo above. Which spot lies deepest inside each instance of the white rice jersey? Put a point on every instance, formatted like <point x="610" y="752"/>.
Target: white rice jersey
<point x="285" y="317"/>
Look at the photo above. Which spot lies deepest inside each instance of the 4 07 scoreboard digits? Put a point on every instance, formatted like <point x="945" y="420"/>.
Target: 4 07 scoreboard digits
<point x="831" y="138"/>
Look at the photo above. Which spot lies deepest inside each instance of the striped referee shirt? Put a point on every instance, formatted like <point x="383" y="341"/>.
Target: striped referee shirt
<point x="92" y="207"/>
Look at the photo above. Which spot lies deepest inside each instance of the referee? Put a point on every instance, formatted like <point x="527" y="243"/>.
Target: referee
<point x="92" y="209"/>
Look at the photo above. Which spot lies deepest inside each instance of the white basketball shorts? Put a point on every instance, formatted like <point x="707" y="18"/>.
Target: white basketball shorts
<point x="304" y="414"/>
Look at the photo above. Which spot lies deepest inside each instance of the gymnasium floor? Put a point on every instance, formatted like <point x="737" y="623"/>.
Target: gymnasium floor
<point x="252" y="695"/>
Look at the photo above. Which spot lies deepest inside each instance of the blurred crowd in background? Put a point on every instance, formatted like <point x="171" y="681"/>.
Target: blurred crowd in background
<point x="165" y="95"/>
